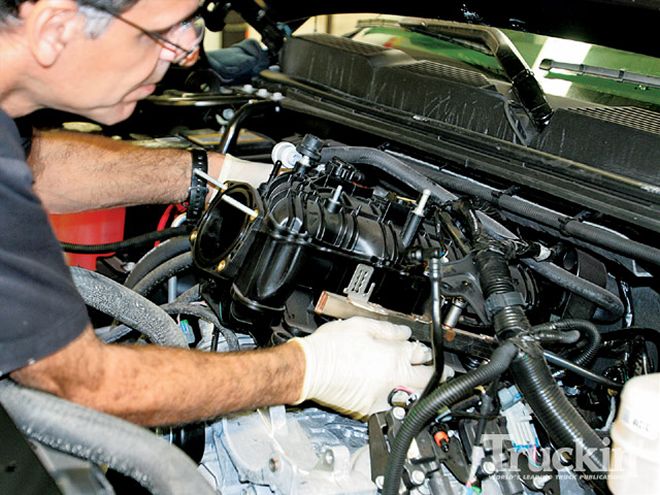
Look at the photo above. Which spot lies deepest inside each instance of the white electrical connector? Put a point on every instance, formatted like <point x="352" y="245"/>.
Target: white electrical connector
<point x="518" y="421"/>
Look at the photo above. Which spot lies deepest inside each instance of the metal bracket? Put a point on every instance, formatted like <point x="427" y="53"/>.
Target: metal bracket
<point x="337" y="306"/>
<point x="357" y="288"/>
<point x="460" y="279"/>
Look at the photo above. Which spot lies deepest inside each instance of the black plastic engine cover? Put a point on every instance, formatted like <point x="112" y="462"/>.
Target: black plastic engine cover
<point x="392" y="79"/>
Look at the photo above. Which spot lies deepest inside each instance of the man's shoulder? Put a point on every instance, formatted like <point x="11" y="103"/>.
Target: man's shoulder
<point x="10" y="139"/>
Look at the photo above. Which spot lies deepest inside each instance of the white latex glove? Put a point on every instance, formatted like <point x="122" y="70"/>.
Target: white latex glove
<point x="237" y="170"/>
<point x="352" y="365"/>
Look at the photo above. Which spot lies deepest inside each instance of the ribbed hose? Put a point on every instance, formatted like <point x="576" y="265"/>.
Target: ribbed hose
<point x="565" y="427"/>
<point x="495" y="279"/>
<point x="103" y="439"/>
<point x="424" y="411"/>
<point x="205" y="313"/>
<point x="156" y="257"/>
<point x="588" y="330"/>
<point x="124" y="245"/>
<point x="563" y="424"/>
<point x="128" y="307"/>
<point x="408" y="175"/>
<point x="163" y="272"/>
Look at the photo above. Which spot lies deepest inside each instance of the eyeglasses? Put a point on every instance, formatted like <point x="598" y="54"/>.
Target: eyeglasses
<point x="172" y="39"/>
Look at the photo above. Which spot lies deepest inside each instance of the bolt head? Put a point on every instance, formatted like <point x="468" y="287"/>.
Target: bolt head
<point x="274" y="464"/>
<point x="488" y="467"/>
<point x="540" y="481"/>
<point x="329" y="457"/>
<point x="398" y="413"/>
<point x="417" y="477"/>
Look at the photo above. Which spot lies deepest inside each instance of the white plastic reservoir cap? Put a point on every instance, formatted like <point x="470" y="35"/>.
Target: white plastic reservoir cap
<point x="635" y="456"/>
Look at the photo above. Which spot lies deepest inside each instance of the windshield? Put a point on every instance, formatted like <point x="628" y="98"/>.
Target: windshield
<point x="423" y="42"/>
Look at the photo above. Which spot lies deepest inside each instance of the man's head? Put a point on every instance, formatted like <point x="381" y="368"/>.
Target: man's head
<point x="9" y="8"/>
<point x="96" y="58"/>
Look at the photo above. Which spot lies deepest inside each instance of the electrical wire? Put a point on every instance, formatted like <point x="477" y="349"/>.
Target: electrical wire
<point x="133" y="242"/>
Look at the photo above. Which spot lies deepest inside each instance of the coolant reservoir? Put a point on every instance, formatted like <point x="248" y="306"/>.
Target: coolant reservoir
<point x="635" y="457"/>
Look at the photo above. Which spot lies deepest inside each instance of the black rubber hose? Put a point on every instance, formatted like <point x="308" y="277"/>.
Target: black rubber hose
<point x="557" y="337"/>
<point x="408" y="175"/>
<point x="103" y="439"/>
<point x="163" y="272"/>
<point x="392" y="165"/>
<point x="156" y="257"/>
<point x="557" y="221"/>
<point x="583" y="288"/>
<point x="564" y="425"/>
<point x="495" y="279"/>
<point x="128" y="307"/>
<point x="191" y="295"/>
<point x="587" y="329"/>
<point x="579" y="370"/>
<point x="426" y="409"/>
<point x="133" y="242"/>
<point x="204" y="313"/>
<point x="581" y="230"/>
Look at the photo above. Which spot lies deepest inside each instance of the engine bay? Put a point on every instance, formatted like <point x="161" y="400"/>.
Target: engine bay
<point x="533" y="337"/>
<point x="538" y="297"/>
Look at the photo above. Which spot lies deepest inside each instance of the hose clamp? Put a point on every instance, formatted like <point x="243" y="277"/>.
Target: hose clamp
<point x="496" y="302"/>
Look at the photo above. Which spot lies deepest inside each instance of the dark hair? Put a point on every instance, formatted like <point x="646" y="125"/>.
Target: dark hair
<point x="10" y="7"/>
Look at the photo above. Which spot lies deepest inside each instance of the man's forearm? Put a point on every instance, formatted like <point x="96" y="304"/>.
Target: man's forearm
<point x="159" y="386"/>
<point x="77" y="172"/>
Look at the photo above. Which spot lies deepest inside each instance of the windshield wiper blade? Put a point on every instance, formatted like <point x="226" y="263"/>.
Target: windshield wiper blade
<point x="522" y="79"/>
<point x="621" y="75"/>
<point x="472" y="45"/>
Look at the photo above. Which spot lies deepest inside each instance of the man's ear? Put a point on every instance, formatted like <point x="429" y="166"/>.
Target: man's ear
<point x="50" y="25"/>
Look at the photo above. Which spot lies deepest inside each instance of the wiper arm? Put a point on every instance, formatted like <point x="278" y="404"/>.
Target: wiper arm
<point x="472" y="45"/>
<point x="522" y="79"/>
<point x="593" y="70"/>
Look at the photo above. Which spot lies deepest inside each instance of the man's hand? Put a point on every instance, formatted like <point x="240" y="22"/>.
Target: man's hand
<point x="352" y="365"/>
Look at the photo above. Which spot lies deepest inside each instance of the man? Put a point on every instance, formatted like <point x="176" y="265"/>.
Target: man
<point x="97" y="58"/>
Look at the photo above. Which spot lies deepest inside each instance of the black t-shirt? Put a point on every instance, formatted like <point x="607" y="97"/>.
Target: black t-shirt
<point x="40" y="308"/>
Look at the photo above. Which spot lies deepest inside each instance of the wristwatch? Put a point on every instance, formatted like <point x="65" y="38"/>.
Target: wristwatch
<point x="198" y="188"/>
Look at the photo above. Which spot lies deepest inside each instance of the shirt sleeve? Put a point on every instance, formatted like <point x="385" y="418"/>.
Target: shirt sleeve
<point x="40" y="308"/>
